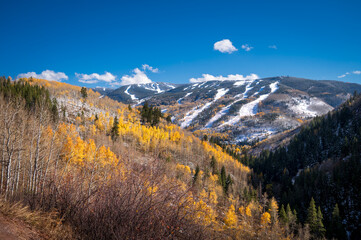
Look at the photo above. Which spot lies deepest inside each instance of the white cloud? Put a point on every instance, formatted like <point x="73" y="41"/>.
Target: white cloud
<point x="231" y="77"/>
<point x="225" y="46"/>
<point x="95" y="77"/>
<point x="273" y="47"/>
<point x="246" y="47"/>
<point x="357" y="72"/>
<point x="47" y="74"/>
<point x="88" y="81"/>
<point x="150" y="68"/>
<point x="138" y="77"/>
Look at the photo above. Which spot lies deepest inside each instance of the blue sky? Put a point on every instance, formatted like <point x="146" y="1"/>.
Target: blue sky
<point x="106" y="43"/>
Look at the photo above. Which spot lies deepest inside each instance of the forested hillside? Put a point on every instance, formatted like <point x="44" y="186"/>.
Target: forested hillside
<point x="321" y="162"/>
<point x="111" y="171"/>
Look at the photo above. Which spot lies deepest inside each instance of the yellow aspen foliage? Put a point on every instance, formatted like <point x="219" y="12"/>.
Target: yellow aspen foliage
<point x="231" y="218"/>
<point x="101" y="155"/>
<point x="265" y="219"/>
<point x="213" y="178"/>
<point x="184" y="169"/>
<point x="231" y="199"/>
<point x="82" y="129"/>
<point x="90" y="151"/>
<point x="213" y="198"/>
<point x="152" y="190"/>
<point x="112" y="159"/>
<point x="175" y="136"/>
<point x="224" y="158"/>
<point x="49" y="131"/>
<point x="78" y="120"/>
<point x="110" y="124"/>
<point x="100" y="123"/>
<point x="250" y="207"/>
<point x="93" y="130"/>
<point x="78" y="152"/>
<point x="68" y="148"/>
<point x="241" y="210"/>
<point x="248" y="211"/>
<point x="205" y="215"/>
<point x="203" y="194"/>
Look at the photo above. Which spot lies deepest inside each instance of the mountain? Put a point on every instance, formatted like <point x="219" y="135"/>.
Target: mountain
<point x="136" y="93"/>
<point x="245" y="110"/>
<point x="251" y="110"/>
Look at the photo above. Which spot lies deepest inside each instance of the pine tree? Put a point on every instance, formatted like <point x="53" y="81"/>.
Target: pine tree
<point x="223" y="177"/>
<point x="214" y="165"/>
<point x="312" y="216"/>
<point x="283" y="215"/>
<point x="228" y="183"/>
<point x="320" y="227"/>
<point x="205" y="137"/>
<point x="336" y="230"/>
<point x="84" y="93"/>
<point x="115" y="129"/>
<point x="168" y="119"/>
<point x="196" y="173"/>
<point x="54" y="110"/>
<point x="291" y="217"/>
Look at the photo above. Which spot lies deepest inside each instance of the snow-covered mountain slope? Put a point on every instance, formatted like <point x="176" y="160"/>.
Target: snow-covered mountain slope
<point x="251" y="110"/>
<point x="246" y="110"/>
<point x="136" y="93"/>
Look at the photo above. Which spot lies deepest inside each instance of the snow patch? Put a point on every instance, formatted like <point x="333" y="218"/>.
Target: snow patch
<point x="256" y="134"/>
<point x="191" y="115"/>
<point x="131" y="95"/>
<point x="180" y="100"/>
<point x="251" y="108"/>
<point x="225" y="109"/>
<point x="153" y="87"/>
<point x="311" y="107"/>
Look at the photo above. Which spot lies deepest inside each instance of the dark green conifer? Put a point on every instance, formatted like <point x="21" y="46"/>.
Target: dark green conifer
<point x="283" y="215"/>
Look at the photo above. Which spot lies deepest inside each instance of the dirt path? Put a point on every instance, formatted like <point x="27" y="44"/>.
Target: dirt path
<point x="16" y="230"/>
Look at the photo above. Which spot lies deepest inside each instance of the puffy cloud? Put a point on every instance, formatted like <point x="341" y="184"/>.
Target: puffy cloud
<point x="246" y="47"/>
<point x="273" y="47"/>
<point x="231" y="77"/>
<point x="225" y="46"/>
<point x="47" y="74"/>
<point x="138" y="77"/>
<point x="342" y="76"/>
<point x="150" y="68"/>
<point x="357" y="72"/>
<point x="95" y="77"/>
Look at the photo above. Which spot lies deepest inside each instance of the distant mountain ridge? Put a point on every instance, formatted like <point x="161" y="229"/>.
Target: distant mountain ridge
<point x="247" y="110"/>
<point x="136" y="93"/>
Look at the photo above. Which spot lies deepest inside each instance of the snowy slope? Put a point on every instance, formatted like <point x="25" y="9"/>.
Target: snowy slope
<point x="187" y="120"/>
<point x="247" y="110"/>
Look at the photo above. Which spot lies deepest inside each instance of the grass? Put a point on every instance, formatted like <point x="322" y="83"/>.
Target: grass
<point x="49" y="224"/>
